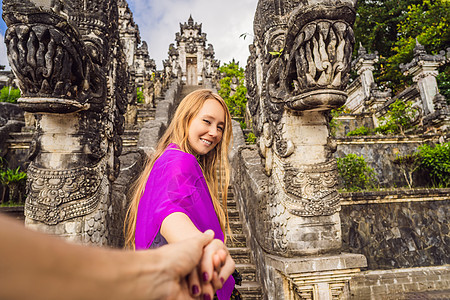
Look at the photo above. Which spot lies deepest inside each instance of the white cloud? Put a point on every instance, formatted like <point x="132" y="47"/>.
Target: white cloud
<point x="223" y="22"/>
<point x="3" y="56"/>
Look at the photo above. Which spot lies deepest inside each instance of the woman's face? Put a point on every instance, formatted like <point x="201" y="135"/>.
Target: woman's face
<point x="206" y="128"/>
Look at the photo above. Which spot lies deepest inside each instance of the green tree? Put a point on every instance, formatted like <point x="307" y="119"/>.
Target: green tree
<point x="9" y="94"/>
<point x="235" y="100"/>
<point x="398" y="119"/>
<point x="443" y="80"/>
<point x="392" y="27"/>
<point x="376" y="24"/>
<point x="363" y="130"/>
<point x="355" y="173"/>
<point x="436" y="161"/>
<point x="408" y="164"/>
<point x="14" y="180"/>
<point x="140" y="95"/>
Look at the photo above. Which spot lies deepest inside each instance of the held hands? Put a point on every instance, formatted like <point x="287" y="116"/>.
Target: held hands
<point x="215" y="266"/>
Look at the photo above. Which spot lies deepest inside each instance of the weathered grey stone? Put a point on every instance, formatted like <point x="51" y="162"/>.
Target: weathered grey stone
<point x="10" y="111"/>
<point x="72" y="79"/>
<point x="154" y="129"/>
<point x="397" y="229"/>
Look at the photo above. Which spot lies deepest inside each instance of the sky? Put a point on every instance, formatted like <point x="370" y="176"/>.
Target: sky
<point x="223" y="22"/>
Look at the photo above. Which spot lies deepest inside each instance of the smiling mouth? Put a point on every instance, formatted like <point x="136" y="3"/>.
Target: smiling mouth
<point x="206" y="142"/>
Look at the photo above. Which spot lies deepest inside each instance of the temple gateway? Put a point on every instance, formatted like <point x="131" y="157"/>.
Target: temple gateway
<point x="93" y="106"/>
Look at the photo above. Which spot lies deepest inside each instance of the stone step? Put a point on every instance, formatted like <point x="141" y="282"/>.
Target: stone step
<point x="19" y="140"/>
<point x="248" y="272"/>
<point x="130" y="136"/>
<point x="250" y="290"/>
<point x="233" y="213"/>
<point x="236" y="227"/>
<point x="21" y="135"/>
<point x="145" y="110"/>
<point x="145" y="115"/>
<point x="238" y="240"/>
<point x="231" y="202"/>
<point x="240" y="255"/>
<point x="131" y="132"/>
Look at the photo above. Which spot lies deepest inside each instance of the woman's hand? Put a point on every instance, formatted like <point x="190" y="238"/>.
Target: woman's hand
<point x="216" y="265"/>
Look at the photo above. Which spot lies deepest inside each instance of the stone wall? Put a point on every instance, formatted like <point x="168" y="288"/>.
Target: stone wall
<point x="349" y="122"/>
<point x="401" y="284"/>
<point x="247" y="179"/>
<point x="380" y="152"/>
<point x="398" y="229"/>
<point x="404" y="233"/>
<point x="154" y="129"/>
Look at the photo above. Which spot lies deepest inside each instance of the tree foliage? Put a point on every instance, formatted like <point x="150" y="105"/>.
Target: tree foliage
<point x="139" y="95"/>
<point x="232" y="88"/>
<point x="398" y="119"/>
<point x="408" y="164"/>
<point x="443" y="80"/>
<point x="391" y="27"/>
<point x="436" y="161"/>
<point x="363" y="130"/>
<point x="376" y="24"/>
<point x="354" y="172"/>
<point x="9" y="94"/>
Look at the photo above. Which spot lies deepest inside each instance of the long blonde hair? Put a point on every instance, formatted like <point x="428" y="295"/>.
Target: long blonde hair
<point x="214" y="164"/>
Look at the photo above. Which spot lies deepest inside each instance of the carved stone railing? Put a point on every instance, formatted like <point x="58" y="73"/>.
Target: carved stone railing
<point x="297" y="72"/>
<point x="70" y="69"/>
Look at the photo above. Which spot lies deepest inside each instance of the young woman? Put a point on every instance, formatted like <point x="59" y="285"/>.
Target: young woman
<point x="183" y="190"/>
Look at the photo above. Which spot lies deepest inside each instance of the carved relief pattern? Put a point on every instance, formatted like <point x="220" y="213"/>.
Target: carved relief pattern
<point x="309" y="190"/>
<point x="299" y="60"/>
<point x="50" y="59"/>
<point x="279" y="228"/>
<point x="68" y="59"/>
<point x="46" y="70"/>
<point x="59" y="195"/>
<point x="320" y="56"/>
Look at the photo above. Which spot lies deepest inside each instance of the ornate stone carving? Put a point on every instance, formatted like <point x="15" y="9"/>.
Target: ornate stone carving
<point x="55" y="196"/>
<point x="308" y="190"/>
<point x="297" y="71"/>
<point x="72" y="72"/>
<point x="299" y="62"/>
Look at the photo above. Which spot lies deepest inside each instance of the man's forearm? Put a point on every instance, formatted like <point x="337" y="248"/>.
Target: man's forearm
<point x="54" y="269"/>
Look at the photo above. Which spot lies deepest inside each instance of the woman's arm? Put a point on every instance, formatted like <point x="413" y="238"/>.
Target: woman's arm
<point x="55" y="269"/>
<point x="177" y="227"/>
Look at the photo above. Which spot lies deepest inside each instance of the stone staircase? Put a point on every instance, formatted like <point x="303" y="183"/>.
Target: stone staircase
<point x="188" y="89"/>
<point x="144" y="113"/>
<point x="129" y="139"/>
<point x="130" y="135"/>
<point x="250" y="288"/>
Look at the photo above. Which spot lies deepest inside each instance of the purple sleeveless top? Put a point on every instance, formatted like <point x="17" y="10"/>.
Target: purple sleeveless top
<point x="176" y="184"/>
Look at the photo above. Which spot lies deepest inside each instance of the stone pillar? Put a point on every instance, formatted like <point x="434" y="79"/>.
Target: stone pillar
<point x="424" y="69"/>
<point x="298" y="69"/>
<point x="364" y="66"/>
<point x="361" y="90"/>
<point x="68" y="62"/>
<point x="130" y="38"/>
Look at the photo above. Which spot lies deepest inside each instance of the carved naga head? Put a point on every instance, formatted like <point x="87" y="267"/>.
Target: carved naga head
<point x="307" y="47"/>
<point x="56" y="49"/>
